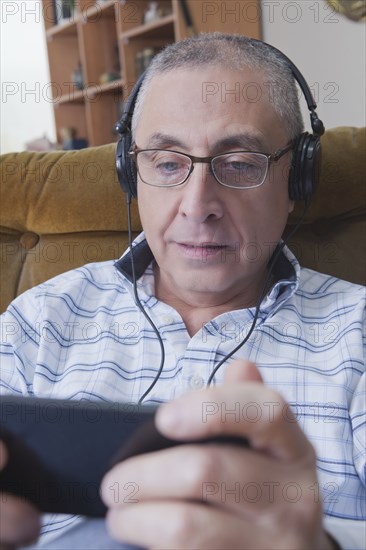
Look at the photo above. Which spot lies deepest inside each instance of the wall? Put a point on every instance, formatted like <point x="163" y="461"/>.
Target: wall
<point x="26" y="105"/>
<point x="328" y="49"/>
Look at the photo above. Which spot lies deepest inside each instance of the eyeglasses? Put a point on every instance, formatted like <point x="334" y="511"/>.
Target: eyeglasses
<point x="237" y="169"/>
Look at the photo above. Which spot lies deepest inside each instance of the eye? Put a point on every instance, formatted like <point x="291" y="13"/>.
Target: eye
<point x="241" y="162"/>
<point x="166" y="163"/>
<point x="241" y="169"/>
<point x="167" y="166"/>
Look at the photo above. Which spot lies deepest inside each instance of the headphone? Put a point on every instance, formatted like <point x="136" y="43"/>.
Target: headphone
<point x="305" y="165"/>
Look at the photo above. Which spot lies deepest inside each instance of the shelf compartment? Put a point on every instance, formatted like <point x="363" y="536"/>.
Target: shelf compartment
<point x="130" y="14"/>
<point x="164" y="26"/>
<point x="64" y="52"/>
<point x="86" y="13"/>
<point x="71" y="116"/>
<point x="99" y="48"/>
<point x="135" y="47"/>
<point x="65" y="28"/>
<point x="102" y="116"/>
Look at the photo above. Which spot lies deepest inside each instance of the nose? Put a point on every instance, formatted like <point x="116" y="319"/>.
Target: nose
<point x="201" y="195"/>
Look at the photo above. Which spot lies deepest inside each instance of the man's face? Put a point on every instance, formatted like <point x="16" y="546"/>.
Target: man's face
<point x="212" y="243"/>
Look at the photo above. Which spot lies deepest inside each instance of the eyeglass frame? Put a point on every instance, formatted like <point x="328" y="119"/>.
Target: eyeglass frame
<point x="271" y="158"/>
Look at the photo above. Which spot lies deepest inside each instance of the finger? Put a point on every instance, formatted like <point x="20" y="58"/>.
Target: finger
<point x="250" y="410"/>
<point x="175" y="525"/>
<point x="172" y="473"/>
<point x="242" y="371"/>
<point x="19" y="521"/>
<point x="242" y="480"/>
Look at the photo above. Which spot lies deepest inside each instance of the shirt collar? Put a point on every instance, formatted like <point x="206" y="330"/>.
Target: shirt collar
<point x="142" y="257"/>
<point x="286" y="272"/>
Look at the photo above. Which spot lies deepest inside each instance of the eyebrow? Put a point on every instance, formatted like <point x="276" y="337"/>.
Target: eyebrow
<point x="251" y="142"/>
<point x="163" y="140"/>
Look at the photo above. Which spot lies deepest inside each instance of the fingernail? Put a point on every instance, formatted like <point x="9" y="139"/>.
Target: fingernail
<point x="170" y="419"/>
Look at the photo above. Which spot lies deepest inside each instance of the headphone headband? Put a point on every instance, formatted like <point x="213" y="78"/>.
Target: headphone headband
<point x="316" y="124"/>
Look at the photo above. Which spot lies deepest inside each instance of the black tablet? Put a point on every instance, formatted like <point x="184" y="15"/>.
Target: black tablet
<point x="59" y="450"/>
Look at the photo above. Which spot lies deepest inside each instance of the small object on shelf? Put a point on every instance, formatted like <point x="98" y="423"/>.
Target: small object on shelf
<point x="68" y="8"/>
<point x="77" y="77"/>
<point x="108" y="77"/>
<point x="187" y="17"/>
<point x="152" y="13"/>
<point x="69" y="140"/>
<point x="148" y="54"/>
<point x="144" y="58"/>
<point x="75" y="143"/>
<point x="117" y="64"/>
<point x="139" y="63"/>
<point x="63" y="10"/>
<point x="56" y="12"/>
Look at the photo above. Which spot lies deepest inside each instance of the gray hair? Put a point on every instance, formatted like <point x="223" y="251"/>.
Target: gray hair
<point x="235" y="52"/>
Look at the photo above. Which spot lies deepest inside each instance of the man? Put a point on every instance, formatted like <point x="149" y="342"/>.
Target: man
<point x="200" y="286"/>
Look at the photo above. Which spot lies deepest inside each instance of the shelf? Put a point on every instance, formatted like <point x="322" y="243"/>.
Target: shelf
<point x="149" y="29"/>
<point x="89" y="14"/>
<point x="110" y="38"/>
<point x="74" y="97"/>
<point x="66" y="28"/>
<point x="91" y="92"/>
<point x="111" y="86"/>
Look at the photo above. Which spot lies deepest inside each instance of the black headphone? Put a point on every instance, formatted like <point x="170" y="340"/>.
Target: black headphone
<point x="305" y="166"/>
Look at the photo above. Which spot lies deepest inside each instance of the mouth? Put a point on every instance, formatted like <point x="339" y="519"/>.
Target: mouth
<point x="203" y="245"/>
<point x="201" y="250"/>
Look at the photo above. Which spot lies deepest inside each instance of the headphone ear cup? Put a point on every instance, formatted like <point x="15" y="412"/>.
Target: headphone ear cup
<point x="305" y="166"/>
<point x="130" y="168"/>
<point x="294" y="180"/>
<point x="312" y="162"/>
<point x="125" y="167"/>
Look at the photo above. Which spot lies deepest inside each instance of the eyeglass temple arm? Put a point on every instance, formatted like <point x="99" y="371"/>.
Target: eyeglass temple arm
<point x="278" y="154"/>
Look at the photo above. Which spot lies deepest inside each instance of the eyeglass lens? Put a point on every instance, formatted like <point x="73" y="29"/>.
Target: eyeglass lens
<point x="166" y="168"/>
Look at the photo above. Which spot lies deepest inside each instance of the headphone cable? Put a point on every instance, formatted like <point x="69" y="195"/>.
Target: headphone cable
<point x="264" y="290"/>
<point x="272" y="264"/>
<point x="138" y="302"/>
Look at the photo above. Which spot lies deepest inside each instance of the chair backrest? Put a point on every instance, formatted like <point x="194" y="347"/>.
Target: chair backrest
<point x="333" y="238"/>
<point x="62" y="209"/>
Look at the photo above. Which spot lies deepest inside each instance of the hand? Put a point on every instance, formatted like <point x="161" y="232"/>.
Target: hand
<point x="19" y="520"/>
<point x="221" y="496"/>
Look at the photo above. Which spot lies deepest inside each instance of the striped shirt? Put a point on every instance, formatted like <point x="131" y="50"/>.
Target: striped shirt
<point x="81" y="336"/>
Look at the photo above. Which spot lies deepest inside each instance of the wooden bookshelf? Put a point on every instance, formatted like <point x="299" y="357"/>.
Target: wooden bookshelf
<point x="108" y="36"/>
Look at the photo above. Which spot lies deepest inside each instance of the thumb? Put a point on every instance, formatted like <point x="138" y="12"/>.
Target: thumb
<point x="242" y="371"/>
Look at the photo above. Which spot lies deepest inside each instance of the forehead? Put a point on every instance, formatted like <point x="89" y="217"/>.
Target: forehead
<point x="203" y="102"/>
<point x="212" y="81"/>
